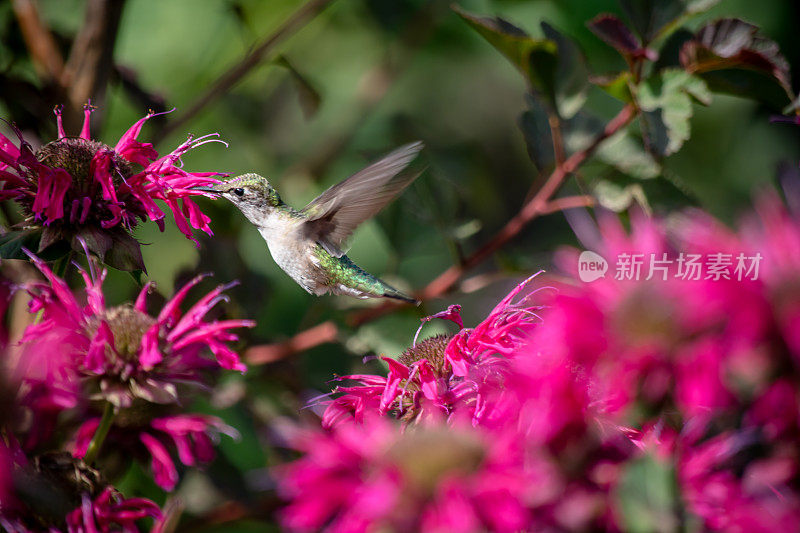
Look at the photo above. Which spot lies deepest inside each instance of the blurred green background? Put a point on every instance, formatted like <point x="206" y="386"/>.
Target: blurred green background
<point x="375" y="74"/>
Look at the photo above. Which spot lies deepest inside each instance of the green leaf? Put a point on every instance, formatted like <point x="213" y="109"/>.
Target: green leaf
<point x="514" y="43"/>
<point x="620" y="151"/>
<point x="657" y="19"/>
<point x="50" y="235"/>
<point x="669" y="53"/>
<point x="732" y="58"/>
<point x="666" y="99"/>
<point x="617" y="198"/>
<point x="554" y="67"/>
<point x="649" y="16"/>
<point x="648" y="496"/>
<point x="617" y="86"/>
<point x="534" y="58"/>
<point x="12" y="243"/>
<point x="571" y="80"/>
<point x="627" y="155"/>
<point x="536" y="130"/>
<point x="125" y="253"/>
<point x="654" y="130"/>
<point x="138" y="277"/>
<point x="98" y="240"/>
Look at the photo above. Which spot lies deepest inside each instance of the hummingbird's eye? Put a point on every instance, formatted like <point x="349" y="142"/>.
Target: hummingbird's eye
<point x="238" y="192"/>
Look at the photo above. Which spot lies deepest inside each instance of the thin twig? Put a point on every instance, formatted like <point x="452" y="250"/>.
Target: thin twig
<point x="559" y="152"/>
<point x="568" y="202"/>
<point x="227" y="81"/>
<point x="314" y="336"/>
<point x="540" y="204"/>
<point x="142" y="97"/>
<point x="91" y="58"/>
<point x="558" y="141"/>
<point x="40" y="42"/>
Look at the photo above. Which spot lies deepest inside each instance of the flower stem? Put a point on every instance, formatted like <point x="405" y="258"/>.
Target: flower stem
<point x="100" y="434"/>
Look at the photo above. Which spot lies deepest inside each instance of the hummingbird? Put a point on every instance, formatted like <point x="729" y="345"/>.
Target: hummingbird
<point x="310" y="244"/>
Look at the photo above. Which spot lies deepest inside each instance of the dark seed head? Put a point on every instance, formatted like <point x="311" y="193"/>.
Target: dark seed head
<point x="74" y="155"/>
<point x="128" y="325"/>
<point x="431" y="349"/>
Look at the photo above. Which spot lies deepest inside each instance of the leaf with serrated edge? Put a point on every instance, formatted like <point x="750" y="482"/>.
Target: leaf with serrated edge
<point x="626" y="154"/>
<point x="655" y="20"/>
<point x="11" y="243"/>
<point x="97" y="240"/>
<point x="618" y="199"/>
<point x="516" y="45"/>
<point x="733" y="58"/>
<point x="615" y="33"/>
<point x="571" y="80"/>
<point x="670" y="93"/>
<point x="536" y="131"/>
<point x="125" y="254"/>
<point x="617" y="86"/>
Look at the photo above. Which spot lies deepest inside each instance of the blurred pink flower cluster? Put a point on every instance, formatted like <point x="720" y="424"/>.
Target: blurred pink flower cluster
<point x="80" y="355"/>
<point x="649" y="405"/>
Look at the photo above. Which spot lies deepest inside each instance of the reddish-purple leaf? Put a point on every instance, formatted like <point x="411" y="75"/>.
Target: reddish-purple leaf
<point x="615" y="33"/>
<point x="733" y="44"/>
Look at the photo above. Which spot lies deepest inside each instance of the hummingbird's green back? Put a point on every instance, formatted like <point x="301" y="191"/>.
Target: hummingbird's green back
<point x="342" y="271"/>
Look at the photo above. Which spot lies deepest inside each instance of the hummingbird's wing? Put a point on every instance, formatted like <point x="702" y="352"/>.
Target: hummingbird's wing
<point x="335" y="214"/>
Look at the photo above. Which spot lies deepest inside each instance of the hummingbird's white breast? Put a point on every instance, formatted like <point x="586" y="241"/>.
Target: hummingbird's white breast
<point x="290" y="251"/>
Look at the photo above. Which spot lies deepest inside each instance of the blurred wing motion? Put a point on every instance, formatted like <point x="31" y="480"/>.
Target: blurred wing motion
<point x="337" y="212"/>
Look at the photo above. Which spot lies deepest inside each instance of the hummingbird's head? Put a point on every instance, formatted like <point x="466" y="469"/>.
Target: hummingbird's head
<point x="251" y="193"/>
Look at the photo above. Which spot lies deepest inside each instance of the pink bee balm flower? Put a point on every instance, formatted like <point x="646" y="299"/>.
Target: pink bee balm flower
<point x="77" y="188"/>
<point x="441" y="372"/>
<point x="530" y="409"/>
<point x="688" y="383"/>
<point x="110" y="511"/>
<point x="6" y="472"/>
<point x="763" y="498"/>
<point x="711" y="362"/>
<point x="123" y="353"/>
<point x="191" y="436"/>
<point x="431" y="477"/>
<point x="39" y="381"/>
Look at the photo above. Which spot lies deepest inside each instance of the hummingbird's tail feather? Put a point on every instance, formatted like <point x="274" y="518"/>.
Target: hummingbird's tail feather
<point x="397" y="295"/>
<point x="387" y="291"/>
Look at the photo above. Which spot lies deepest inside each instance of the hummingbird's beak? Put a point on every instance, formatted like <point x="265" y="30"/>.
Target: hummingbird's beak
<point x="203" y="188"/>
